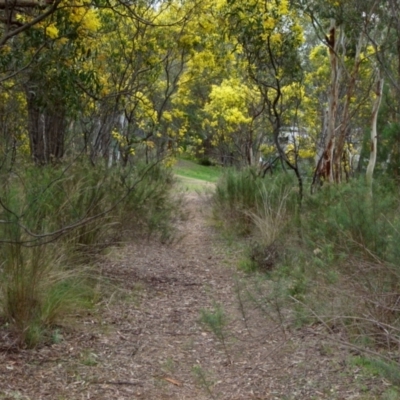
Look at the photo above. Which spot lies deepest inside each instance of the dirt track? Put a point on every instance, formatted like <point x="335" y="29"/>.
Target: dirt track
<point x="146" y="340"/>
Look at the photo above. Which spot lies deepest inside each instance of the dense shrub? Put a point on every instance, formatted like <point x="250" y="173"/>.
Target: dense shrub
<point x="150" y="205"/>
<point x="354" y="260"/>
<point x="351" y="219"/>
<point x="342" y="270"/>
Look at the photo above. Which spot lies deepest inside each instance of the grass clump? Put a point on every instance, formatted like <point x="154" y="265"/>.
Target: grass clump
<point x="262" y="207"/>
<point x="37" y="291"/>
<point x="351" y="266"/>
<point x="151" y="206"/>
<point x="352" y="257"/>
<point x="385" y="369"/>
<point x="244" y="200"/>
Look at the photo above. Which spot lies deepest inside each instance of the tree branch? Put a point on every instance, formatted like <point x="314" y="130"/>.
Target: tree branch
<point x="10" y="4"/>
<point x="8" y="35"/>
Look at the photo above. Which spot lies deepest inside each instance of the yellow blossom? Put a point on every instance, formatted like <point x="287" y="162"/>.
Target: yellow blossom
<point x="51" y="31"/>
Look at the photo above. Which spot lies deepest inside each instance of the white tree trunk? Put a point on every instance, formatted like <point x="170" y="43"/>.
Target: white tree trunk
<point x="374" y="138"/>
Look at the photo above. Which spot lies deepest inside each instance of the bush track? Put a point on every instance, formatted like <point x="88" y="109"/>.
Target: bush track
<point x="145" y="340"/>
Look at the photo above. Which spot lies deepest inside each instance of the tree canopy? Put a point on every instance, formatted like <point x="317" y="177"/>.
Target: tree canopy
<point x="117" y="80"/>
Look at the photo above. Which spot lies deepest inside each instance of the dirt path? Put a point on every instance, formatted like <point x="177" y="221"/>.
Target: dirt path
<point x="147" y="341"/>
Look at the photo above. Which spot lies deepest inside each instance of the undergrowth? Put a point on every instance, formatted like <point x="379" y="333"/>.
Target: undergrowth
<point x="53" y="221"/>
<point x="333" y="262"/>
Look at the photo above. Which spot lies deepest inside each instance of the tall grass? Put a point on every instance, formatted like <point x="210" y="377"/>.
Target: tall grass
<point x="151" y="205"/>
<point x="53" y="217"/>
<point x="261" y="207"/>
<point x="238" y="193"/>
<point x="37" y="290"/>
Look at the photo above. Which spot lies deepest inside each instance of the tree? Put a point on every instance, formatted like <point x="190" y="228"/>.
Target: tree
<point x="230" y="117"/>
<point x="345" y="28"/>
<point x="269" y="36"/>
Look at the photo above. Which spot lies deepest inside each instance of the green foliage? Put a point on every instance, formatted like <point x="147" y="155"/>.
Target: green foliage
<point x="347" y="252"/>
<point x="121" y="82"/>
<point x="353" y="257"/>
<point x="389" y="151"/>
<point x="217" y="321"/>
<point x="63" y="203"/>
<point x="149" y="207"/>
<point x="81" y="204"/>
<point x="248" y="264"/>
<point x="334" y="261"/>
<point x="352" y="220"/>
<point x="205" y="380"/>
<point x="246" y="201"/>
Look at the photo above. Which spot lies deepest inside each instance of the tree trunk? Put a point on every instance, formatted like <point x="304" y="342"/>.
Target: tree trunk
<point x="374" y="138"/>
<point x="102" y="138"/>
<point x="46" y="127"/>
<point x="345" y="120"/>
<point x="324" y="167"/>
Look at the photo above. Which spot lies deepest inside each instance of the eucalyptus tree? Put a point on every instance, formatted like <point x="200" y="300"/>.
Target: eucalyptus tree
<point x="387" y="50"/>
<point x="345" y="28"/>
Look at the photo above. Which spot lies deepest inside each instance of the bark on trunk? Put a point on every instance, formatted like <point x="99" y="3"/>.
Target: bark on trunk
<point x="324" y="168"/>
<point x="374" y="137"/>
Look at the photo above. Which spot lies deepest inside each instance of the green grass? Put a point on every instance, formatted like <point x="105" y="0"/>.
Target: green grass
<point x="190" y="169"/>
<point x="195" y="185"/>
<point x="384" y="369"/>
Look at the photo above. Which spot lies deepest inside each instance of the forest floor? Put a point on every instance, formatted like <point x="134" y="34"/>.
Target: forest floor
<point x="146" y="338"/>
